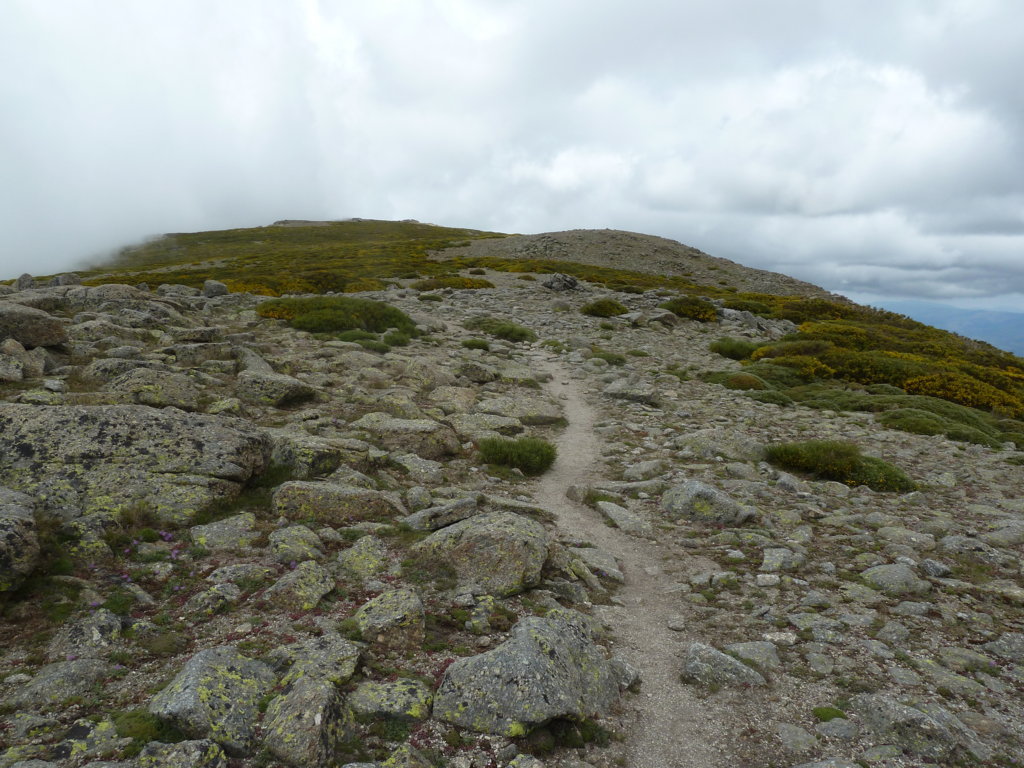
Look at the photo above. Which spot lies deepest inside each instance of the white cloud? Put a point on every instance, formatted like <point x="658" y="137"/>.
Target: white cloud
<point x="862" y="146"/>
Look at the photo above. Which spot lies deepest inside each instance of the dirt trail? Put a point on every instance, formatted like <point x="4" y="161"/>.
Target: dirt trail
<point x="667" y="725"/>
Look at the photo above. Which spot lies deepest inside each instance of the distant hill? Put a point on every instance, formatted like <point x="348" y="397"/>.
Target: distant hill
<point x="1002" y="329"/>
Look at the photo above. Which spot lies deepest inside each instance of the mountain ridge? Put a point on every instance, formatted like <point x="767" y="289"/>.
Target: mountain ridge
<point x="262" y="530"/>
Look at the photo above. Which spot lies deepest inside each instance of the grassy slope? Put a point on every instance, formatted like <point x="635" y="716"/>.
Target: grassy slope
<point x="842" y="344"/>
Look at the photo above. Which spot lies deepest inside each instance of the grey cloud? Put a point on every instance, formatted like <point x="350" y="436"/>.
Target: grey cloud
<point x="863" y="146"/>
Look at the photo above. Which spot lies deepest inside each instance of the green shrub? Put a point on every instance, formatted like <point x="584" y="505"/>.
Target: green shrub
<point x="430" y="297"/>
<point x="835" y="460"/>
<point x="396" y="339"/>
<point x="143" y="727"/>
<point x="824" y="714"/>
<point x="771" y="396"/>
<point x="355" y="335"/>
<point x="734" y="349"/>
<point x="912" y="420"/>
<point x="531" y="455"/>
<point x="612" y="358"/>
<point x="692" y="307"/>
<point x="333" y="314"/>
<point x="748" y="305"/>
<point x="436" y="283"/>
<point x="743" y="380"/>
<point x="790" y="348"/>
<point x="604" y="308"/>
<point x="501" y="329"/>
<point x="373" y="345"/>
<point x="476" y="344"/>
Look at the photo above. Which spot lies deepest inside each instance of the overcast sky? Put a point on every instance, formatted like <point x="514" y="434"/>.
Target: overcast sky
<point x="870" y="146"/>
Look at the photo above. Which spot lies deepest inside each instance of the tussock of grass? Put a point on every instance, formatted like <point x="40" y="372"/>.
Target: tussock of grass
<point x="531" y="455"/>
<point x="692" y="307"/>
<point x="333" y="314"/>
<point x="604" y="308"/>
<point x="501" y="329"/>
<point x="836" y="460"/>
<point x="436" y="283"/>
<point x="734" y="349"/>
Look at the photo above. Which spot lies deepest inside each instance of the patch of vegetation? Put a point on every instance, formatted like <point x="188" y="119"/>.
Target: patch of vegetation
<point x="748" y="305"/>
<point x="734" y="349"/>
<point x="142" y="727"/>
<point x="566" y="734"/>
<point x="612" y="358"/>
<point x="825" y="714"/>
<point x="426" y="568"/>
<point x="693" y="308"/>
<point x="162" y="644"/>
<point x="531" y="455"/>
<point x="335" y="314"/>
<point x="476" y="344"/>
<point x="843" y="462"/>
<point x="437" y="283"/>
<point x="341" y="256"/>
<point x="430" y="297"/>
<point x="501" y="329"/>
<point x="604" y="308"/>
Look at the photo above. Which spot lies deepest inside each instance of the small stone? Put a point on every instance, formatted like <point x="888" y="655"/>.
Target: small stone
<point x="795" y="739"/>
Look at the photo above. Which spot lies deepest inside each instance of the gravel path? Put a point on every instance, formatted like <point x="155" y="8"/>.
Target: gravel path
<point x="667" y="725"/>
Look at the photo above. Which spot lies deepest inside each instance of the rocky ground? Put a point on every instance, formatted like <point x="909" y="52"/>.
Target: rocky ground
<point x="374" y="595"/>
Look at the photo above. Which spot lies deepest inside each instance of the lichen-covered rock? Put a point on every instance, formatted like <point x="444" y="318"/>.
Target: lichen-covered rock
<point x="418" y="469"/>
<point x="424" y="437"/>
<point x="403" y="699"/>
<point x="498" y="553"/>
<point x="527" y="408"/>
<point x="198" y="753"/>
<point x="443" y="515"/>
<point x="548" y="668"/>
<point x="906" y="727"/>
<point x="82" y="460"/>
<point x="239" y="572"/>
<point x="334" y="503"/>
<point x="213" y="600"/>
<point x="19" y="545"/>
<point x="58" y="682"/>
<point x="214" y="288"/>
<point x="633" y="391"/>
<point x="231" y="533"/>
<point x="295" y="544"/>
<point x="159" y="389"/>
<point x="216" y="695"/>
<point x="706" y="666"/>
<point x="393" y="618"/>
<point x="307" y="456"/>
<point x="273" y="389"/>
<point x="30" y="327"/>
<point x="301" y="589"/>
<point x="895" y="580"/>
<point x="624" y="520"/>
<point x="85" y="739"/>
<point x="90" y="636"/>
<point x="304" y="726"/>
<point x="328" y="656"/>
<point x="698" y="501"/>
<point x="476" y="426"/>
<point x="364" y="559"/>
<point x="1009" y="646"/>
